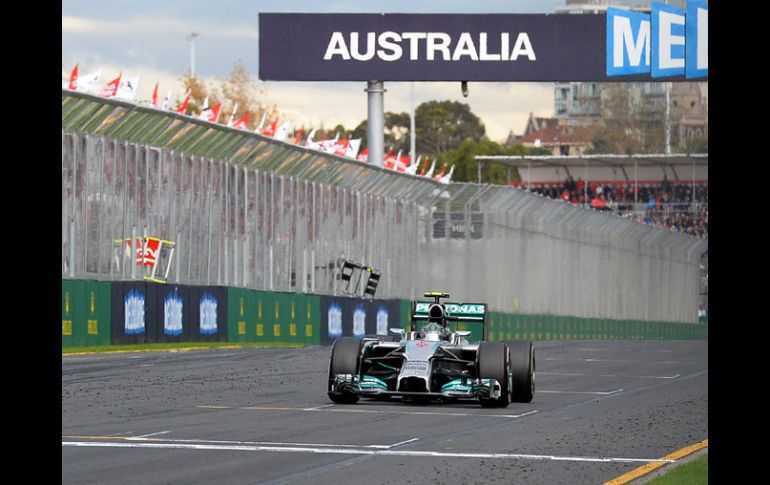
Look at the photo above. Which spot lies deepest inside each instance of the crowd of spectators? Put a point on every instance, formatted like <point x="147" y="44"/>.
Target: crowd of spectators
<point x="663" y="203"/>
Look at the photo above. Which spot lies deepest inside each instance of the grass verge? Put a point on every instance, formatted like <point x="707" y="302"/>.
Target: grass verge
<point x="92" y="349"/>
<point x="694" y="472"/>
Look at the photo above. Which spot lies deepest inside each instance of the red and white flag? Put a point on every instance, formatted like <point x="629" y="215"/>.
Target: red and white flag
<point x="241" y="123"/>
<point x="183" y="107"/>
<point x="353" y="146"/>
<point x="412" y="168"/>
<point x="363" y="155"/>
<point x="329" y="145"/>
<point x="310" y="143"/>
<point x="111" y="88"/>
<point x="429" y="173"/>
<point x="127" y="88"/>
<point x="258" y="129"/>
<point x="270" y="130"/>
<point x="298" y="136"/>
<point x="282" y="133"/>
<point x="204" y="110"/>
<point x="231" y="120"/>
<point x="73" y="85"/>
<point x="448" y="177"/>
<point x="155" y="96"/>
<point x="341" y="147"/>
<point x="441" y="174"/>
<point x="167" y="100"/>
<point x="213" y="113"/>
<point x="87" y="82"/>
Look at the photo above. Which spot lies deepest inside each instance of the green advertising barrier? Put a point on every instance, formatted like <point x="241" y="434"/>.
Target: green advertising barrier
<point x="86" y="307"/>
<point x="277" y="318"/>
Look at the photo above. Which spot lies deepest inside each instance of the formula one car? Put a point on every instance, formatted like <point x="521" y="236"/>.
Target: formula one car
<point x="433" y="362"/>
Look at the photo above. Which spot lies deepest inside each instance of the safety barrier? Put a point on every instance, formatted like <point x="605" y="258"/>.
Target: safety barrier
<point x="125" y="312"/>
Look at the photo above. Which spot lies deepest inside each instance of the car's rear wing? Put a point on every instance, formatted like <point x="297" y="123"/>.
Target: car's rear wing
<point x="455" y="312"/>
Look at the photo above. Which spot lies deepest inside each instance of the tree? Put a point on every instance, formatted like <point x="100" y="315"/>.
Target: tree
<point x="444" y="125"/>
<point x="198" y="92"/>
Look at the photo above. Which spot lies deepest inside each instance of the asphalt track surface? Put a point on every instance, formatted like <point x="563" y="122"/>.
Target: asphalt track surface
<point x="251" y="415"/>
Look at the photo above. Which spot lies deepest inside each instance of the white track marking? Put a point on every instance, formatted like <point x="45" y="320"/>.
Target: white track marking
<point x="318" y="407"/>
<point x="601" y="393"/>
<point x="403" y="442"/>
<point x="607" y="375"/>
<point x="373" y="411"/>
<point x="348" y="451"/>
<point x="143" y="436"/>
<point x="620" y="360"/>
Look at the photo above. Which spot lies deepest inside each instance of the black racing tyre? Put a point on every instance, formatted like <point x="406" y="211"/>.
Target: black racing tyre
<point x="493" y="362"/>
<point x="522" y="370"/>
<point x="381" y="338"/>
<point x="343" y="360"/>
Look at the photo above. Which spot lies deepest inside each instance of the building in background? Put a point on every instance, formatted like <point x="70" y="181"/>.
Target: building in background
<point x="585" y="104"/>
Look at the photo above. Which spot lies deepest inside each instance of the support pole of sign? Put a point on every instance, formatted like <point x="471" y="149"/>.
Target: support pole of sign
<point x="375" y="126"/>
<point x="412" y="133"/>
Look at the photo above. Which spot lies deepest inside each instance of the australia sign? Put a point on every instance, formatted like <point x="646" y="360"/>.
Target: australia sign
<point x="621" y="45"/>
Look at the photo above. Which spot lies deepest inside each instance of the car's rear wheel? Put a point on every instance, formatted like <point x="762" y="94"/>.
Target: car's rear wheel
<point x="343" y="360"/>
<point x="522" y="370"/>
<point x="493" y="362"/>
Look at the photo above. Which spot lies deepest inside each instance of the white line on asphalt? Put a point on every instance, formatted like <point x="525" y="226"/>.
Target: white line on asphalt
<point x="403" y="442"/>
<point x="606" y="375"/>
<point x="318" y="407"/>
<point x="239" y="443"/>
<point x="374" y="411"/>
<point x="143" y="436"/>
<point x="601" y="393"/>
<point x="347" y="451"/>
<point x="619" y="360"/>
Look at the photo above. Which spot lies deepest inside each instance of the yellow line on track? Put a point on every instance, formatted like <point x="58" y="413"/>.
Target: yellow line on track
<point x="649" y="467"/>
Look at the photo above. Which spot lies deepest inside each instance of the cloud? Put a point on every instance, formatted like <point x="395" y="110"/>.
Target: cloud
<point x="144" y="26"/>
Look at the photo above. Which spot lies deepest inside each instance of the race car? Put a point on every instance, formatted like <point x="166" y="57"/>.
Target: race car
<point x="430" y="361"/>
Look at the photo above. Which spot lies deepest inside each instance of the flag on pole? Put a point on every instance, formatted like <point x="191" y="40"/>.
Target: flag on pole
<point x="231" y="120"/>
<point x="298" y="137"/>
<point x="127" y="88"/>
<point x="363" y="155"/>
<point x="204" y="110"/>
<point x="448" y="177"/>
<point x="241" y="123"/>
<point x="73" y="85"/>
<point x="87" y="82"/>
<point x="441" y="174"/>
<point x="258" y="129"/>
<point x="353" y="146"/>
<point x="213" y="113"/>
<point x="155" y="96"/>
<point x="167" y="101"/>
<point x="283" y="131"/>
<point x="310" y="143"/>
<point x="111" y="88"/>
<point x="341" y="147"/>
<point x="270" y="130"/>
<point x="183" y="107"/>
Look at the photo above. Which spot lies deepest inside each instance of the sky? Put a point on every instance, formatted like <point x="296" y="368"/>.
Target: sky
<point x="149" y="39"/>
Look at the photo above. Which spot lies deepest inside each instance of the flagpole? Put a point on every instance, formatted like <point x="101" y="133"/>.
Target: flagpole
<point x="191" y="38"/>
<point x="412" y="149"/>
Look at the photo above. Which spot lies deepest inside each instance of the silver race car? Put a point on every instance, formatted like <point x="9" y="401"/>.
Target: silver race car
<point x="433" y="362"/>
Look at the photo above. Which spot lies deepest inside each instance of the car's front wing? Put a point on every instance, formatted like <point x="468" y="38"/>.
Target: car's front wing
<point x="457" y="389"/>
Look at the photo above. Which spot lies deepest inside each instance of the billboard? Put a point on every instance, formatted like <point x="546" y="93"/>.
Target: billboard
<point x="619" y="46"/>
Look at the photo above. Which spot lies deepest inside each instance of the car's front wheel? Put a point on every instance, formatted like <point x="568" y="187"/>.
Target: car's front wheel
<point x="343" y="360"/>
<point x="494" y="362"/>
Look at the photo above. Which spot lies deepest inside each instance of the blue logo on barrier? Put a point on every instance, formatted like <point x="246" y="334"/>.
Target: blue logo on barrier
<point x="172" y="314"/>
<point x="334" y="320"/>
<point x="382" y="321"/>
<point x="663" y="43"/>
<point x="134" y="313"/>
<point x="208" y="317"/>
<point x="359" y="321"/>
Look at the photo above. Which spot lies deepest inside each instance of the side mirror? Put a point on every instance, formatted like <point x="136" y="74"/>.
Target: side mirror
<point x="399" y="331"/>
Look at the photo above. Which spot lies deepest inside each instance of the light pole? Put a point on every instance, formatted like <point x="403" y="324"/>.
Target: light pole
<point x="191" y="38"/>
